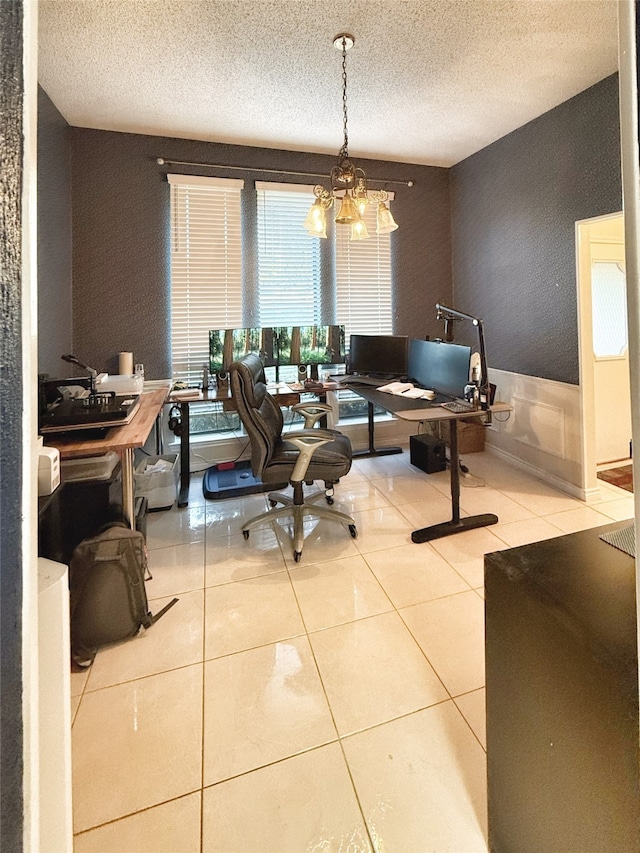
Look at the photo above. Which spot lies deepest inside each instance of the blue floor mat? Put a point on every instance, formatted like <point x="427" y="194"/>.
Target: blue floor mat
<point x="233" y="482"/>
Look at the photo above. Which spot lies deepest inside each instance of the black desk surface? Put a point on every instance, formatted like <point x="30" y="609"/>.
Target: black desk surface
<point x="391" y="402"/>
<point x="415" y="410"/>
<point x="562" y="697"/>
<point x="588" y="581"/>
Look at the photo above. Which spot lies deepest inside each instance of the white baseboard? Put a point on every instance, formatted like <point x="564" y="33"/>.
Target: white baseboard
<point x="590" y="496"/>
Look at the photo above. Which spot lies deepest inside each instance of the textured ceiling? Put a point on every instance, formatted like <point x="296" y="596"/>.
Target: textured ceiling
<point x="429" y="82"/>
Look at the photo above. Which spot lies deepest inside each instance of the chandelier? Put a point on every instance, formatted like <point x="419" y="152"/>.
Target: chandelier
<point x="348" y="182"/>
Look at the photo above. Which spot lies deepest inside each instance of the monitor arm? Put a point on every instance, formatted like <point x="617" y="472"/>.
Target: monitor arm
<point x="451" y="314"/>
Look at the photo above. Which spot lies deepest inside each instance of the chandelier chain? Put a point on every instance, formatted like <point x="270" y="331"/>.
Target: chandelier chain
<point x="344" y="151"/>
<point x="348" y="190"/>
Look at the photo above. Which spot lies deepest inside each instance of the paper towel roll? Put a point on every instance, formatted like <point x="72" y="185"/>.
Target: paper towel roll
<point x="125" y="364"/>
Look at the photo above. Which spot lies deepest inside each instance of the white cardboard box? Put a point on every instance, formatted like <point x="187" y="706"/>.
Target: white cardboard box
<point x="159" y="487"/>
<point x="121" y="384"/>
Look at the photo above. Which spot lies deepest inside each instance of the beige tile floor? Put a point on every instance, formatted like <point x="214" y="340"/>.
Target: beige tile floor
<point x="336" y="704"/>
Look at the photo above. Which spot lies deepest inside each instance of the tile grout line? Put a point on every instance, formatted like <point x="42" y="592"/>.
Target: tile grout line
<point x="204" y="643"/>
<point x="333" y="720"/>
<point x="208" y="544"/>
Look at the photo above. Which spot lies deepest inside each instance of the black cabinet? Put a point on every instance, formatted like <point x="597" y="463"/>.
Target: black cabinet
<point x="562" y="697"/>
<point x="75" y="511"/>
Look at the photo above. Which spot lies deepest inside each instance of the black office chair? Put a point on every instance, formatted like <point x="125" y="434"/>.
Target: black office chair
<point x="296" y="457"/>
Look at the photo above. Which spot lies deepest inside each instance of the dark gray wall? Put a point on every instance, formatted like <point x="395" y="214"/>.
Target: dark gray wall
<point x="514" y="206"/>
<point x="501" y="224"/>
<point x="55" y="321"/>
<point x="11" y="393"/>
<point x="120" y="207"/>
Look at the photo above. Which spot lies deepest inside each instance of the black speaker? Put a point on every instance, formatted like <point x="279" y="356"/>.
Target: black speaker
<point x="302" y="372"/>
<point x="427" y="453"/>
<point x="222" y="379"/>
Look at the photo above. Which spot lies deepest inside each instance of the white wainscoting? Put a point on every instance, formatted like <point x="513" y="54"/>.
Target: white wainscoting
<point x="543" y="432"/>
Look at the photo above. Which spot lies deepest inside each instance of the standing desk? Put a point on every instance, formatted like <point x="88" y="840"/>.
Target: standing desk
<point x="423" y="410"/>
<point x="123" y="439"/>
<point x="372" y="450"/>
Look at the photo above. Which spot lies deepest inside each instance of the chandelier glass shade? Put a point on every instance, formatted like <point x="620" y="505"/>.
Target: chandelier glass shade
<point x="349" y="193"/>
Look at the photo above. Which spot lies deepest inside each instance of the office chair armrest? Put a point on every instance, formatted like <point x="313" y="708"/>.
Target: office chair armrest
<point x="316" y="432"/>
<point x="307" y="442"/>
<point x="311" y="412"/>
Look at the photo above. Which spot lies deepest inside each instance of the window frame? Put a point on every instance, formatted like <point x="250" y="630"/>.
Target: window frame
<point x="347" y="302"/>
<point x="206" y="259"/>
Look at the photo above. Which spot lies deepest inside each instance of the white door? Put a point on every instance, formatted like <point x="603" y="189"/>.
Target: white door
<point x="610" y="352"/>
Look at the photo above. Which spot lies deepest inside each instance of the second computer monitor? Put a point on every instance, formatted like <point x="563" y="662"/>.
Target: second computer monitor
<point x="439" y="366"/>
<point x="228" y="345"/>
<point x="378" y="355"/>
<point x="310" y="345"/>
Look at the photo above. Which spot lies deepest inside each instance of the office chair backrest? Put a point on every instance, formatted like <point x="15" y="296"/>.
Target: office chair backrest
<point x="259" y="413"/>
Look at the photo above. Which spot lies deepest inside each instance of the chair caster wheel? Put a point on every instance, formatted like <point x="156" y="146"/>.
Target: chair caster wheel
<point x="245" y="533"/>
<point x="297" y="555"/>
<point x="329" y="500"/>
<point x="353" y="530"/>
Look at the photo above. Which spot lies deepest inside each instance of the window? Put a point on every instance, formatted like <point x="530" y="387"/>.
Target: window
<point x="363" y="280"/>
<point x="206" y="267"/>
<point x="363" y="297"/>
<point x="288" y="261"/>
<point x="299" y="281"/>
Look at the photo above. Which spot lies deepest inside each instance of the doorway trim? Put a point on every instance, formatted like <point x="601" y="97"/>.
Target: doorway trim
<point x="590" y="485"/>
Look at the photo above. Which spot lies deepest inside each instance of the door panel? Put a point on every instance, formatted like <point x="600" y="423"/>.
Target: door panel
<point x="610" y="353"/>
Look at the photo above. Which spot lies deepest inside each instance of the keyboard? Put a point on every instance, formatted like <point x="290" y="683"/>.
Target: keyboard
<point x="457" y="407"/>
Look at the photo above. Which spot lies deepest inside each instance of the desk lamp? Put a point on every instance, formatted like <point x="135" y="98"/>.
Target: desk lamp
<point x="450" y="315"/>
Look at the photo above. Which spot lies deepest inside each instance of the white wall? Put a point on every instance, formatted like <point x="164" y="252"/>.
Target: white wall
<point x="30" y="696"/>
<point x="628" y="61"/>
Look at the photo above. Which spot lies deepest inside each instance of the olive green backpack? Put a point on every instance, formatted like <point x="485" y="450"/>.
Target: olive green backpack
<point x="108" y="597"/>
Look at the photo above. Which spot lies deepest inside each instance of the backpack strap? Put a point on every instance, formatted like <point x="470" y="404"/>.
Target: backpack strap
<point x="104" y="527"/>
<point x="149" y="619"/>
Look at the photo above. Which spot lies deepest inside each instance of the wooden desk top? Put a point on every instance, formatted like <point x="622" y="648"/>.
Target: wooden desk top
<point x="133" y="434"/>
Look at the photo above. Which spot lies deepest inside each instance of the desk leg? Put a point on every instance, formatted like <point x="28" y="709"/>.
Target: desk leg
<point x="185" y="453"/>
<point x="128" y="493"/>
<point x="457" y="524"/>
<point x="158" y="434"/>
<point x="323" y="420"/>
<point x="372" y="450"/>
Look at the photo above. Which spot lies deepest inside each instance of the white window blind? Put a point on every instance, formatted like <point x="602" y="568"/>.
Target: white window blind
<point x="288" y="259"/>
<point x="206" y="267"/>
<point x="363" y="279"/>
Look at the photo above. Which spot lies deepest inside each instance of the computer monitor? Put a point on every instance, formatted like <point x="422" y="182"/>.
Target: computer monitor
<point x="378" y="355"/>
<point x="310" y="344"/>
<point x="227" y="345"/>
<point x="439" y="366"/>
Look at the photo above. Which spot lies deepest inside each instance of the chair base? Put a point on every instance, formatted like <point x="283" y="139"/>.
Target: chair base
<point x="288" y="500"/>
<point x="298" y="512"/>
